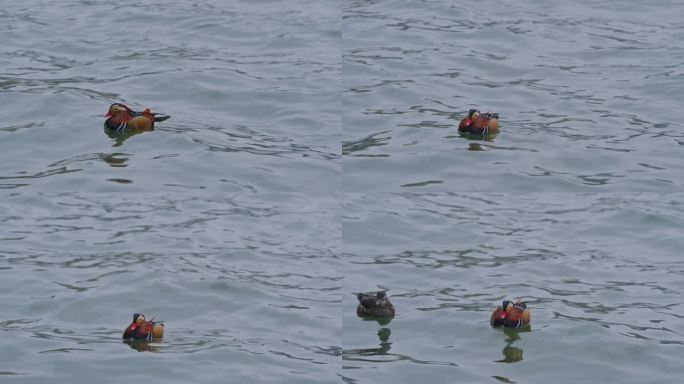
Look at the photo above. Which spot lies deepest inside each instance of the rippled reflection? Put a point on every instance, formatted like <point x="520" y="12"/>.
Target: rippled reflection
<point x="382" y="321"/>
<point x="384" y="347"/>
<point x="489" y="136"/>
<point x="120" y="137"/>
<point x="116" y="159"/>
<point x="478" y="147"/>
<point x="143" y="345"/>
<point x="503" y="379"/>
<point x="511" y="353"/>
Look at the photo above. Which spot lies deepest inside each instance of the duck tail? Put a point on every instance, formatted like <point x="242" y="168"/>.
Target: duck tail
<point x="158" y="118"/>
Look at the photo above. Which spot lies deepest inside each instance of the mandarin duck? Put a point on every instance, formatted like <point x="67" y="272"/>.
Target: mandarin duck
<point x="122" y="118"/>
<point x="374" y="305"/>
<point x="511" y="315"/>
<point x="479" y="123"/>
<point x="141" y="329"/>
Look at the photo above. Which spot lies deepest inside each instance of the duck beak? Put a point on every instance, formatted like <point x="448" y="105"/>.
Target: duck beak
<point x="108" y="114"/>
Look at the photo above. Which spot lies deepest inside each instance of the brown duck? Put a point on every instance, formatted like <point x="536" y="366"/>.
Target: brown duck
<point x="511" y="315"/>
<point x="141" y="329"/>
<point x="122" y="118"/>
<point x="479" y="123"/>
<point x="374" y="305"/>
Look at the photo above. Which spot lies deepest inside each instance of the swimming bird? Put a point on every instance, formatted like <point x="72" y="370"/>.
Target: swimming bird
<point x="122" y="118"/>
<point x="511" y="315"/>
<point x="374" y="305"/>
<point x="479" y="123"/>
<point x="141" y="329"/>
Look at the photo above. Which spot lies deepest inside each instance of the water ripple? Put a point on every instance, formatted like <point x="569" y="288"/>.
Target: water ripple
<point x="597" y="272"/>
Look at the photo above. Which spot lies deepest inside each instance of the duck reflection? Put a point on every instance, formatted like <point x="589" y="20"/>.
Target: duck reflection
<point x="116" y="159"/>
<point x="512" y="354"/>
<point x="479" y="142"/>
<point x="490" y="136"/>
<point x="382" y="321"/>
<point x="385" y="345"/>
<point x="142" y="345"/>
<point x="478" y="147"/>
<point x="120" y="137"/>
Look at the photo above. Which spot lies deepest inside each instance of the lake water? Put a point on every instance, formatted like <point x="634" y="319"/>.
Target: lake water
<point x="223" y="222"/>
<point x="602" y="275"/>
<point x="588" y="93"/>
<point x="313" y="153"/>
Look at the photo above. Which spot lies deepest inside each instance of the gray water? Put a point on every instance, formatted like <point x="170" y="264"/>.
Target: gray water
<point x="222" y="222"/>
<point x="313" y="153"/>
<point x="601" y="274"/>
<point x="589" y="95"/>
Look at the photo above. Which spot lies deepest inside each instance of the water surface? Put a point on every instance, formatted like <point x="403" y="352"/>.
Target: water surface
<point x="312" y="153"/>
<point x="223" y="222"/>
<point x="588" y="94"/>
<point x="601" y="274"/>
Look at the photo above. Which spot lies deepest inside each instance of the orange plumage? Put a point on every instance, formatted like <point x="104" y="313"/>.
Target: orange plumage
<point x="479" y="123"/>
<point x="122" y="118"/>
<point x="511" y="315"/>
<point x="141" y="329"/>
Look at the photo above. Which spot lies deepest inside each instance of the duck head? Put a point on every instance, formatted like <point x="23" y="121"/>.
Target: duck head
<point x="381" y="295"/>
<point x="116" y="108"/>
<point x="507" y="307"/>
<point x="138" y="318"/>
<point x="473" y="115"/>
